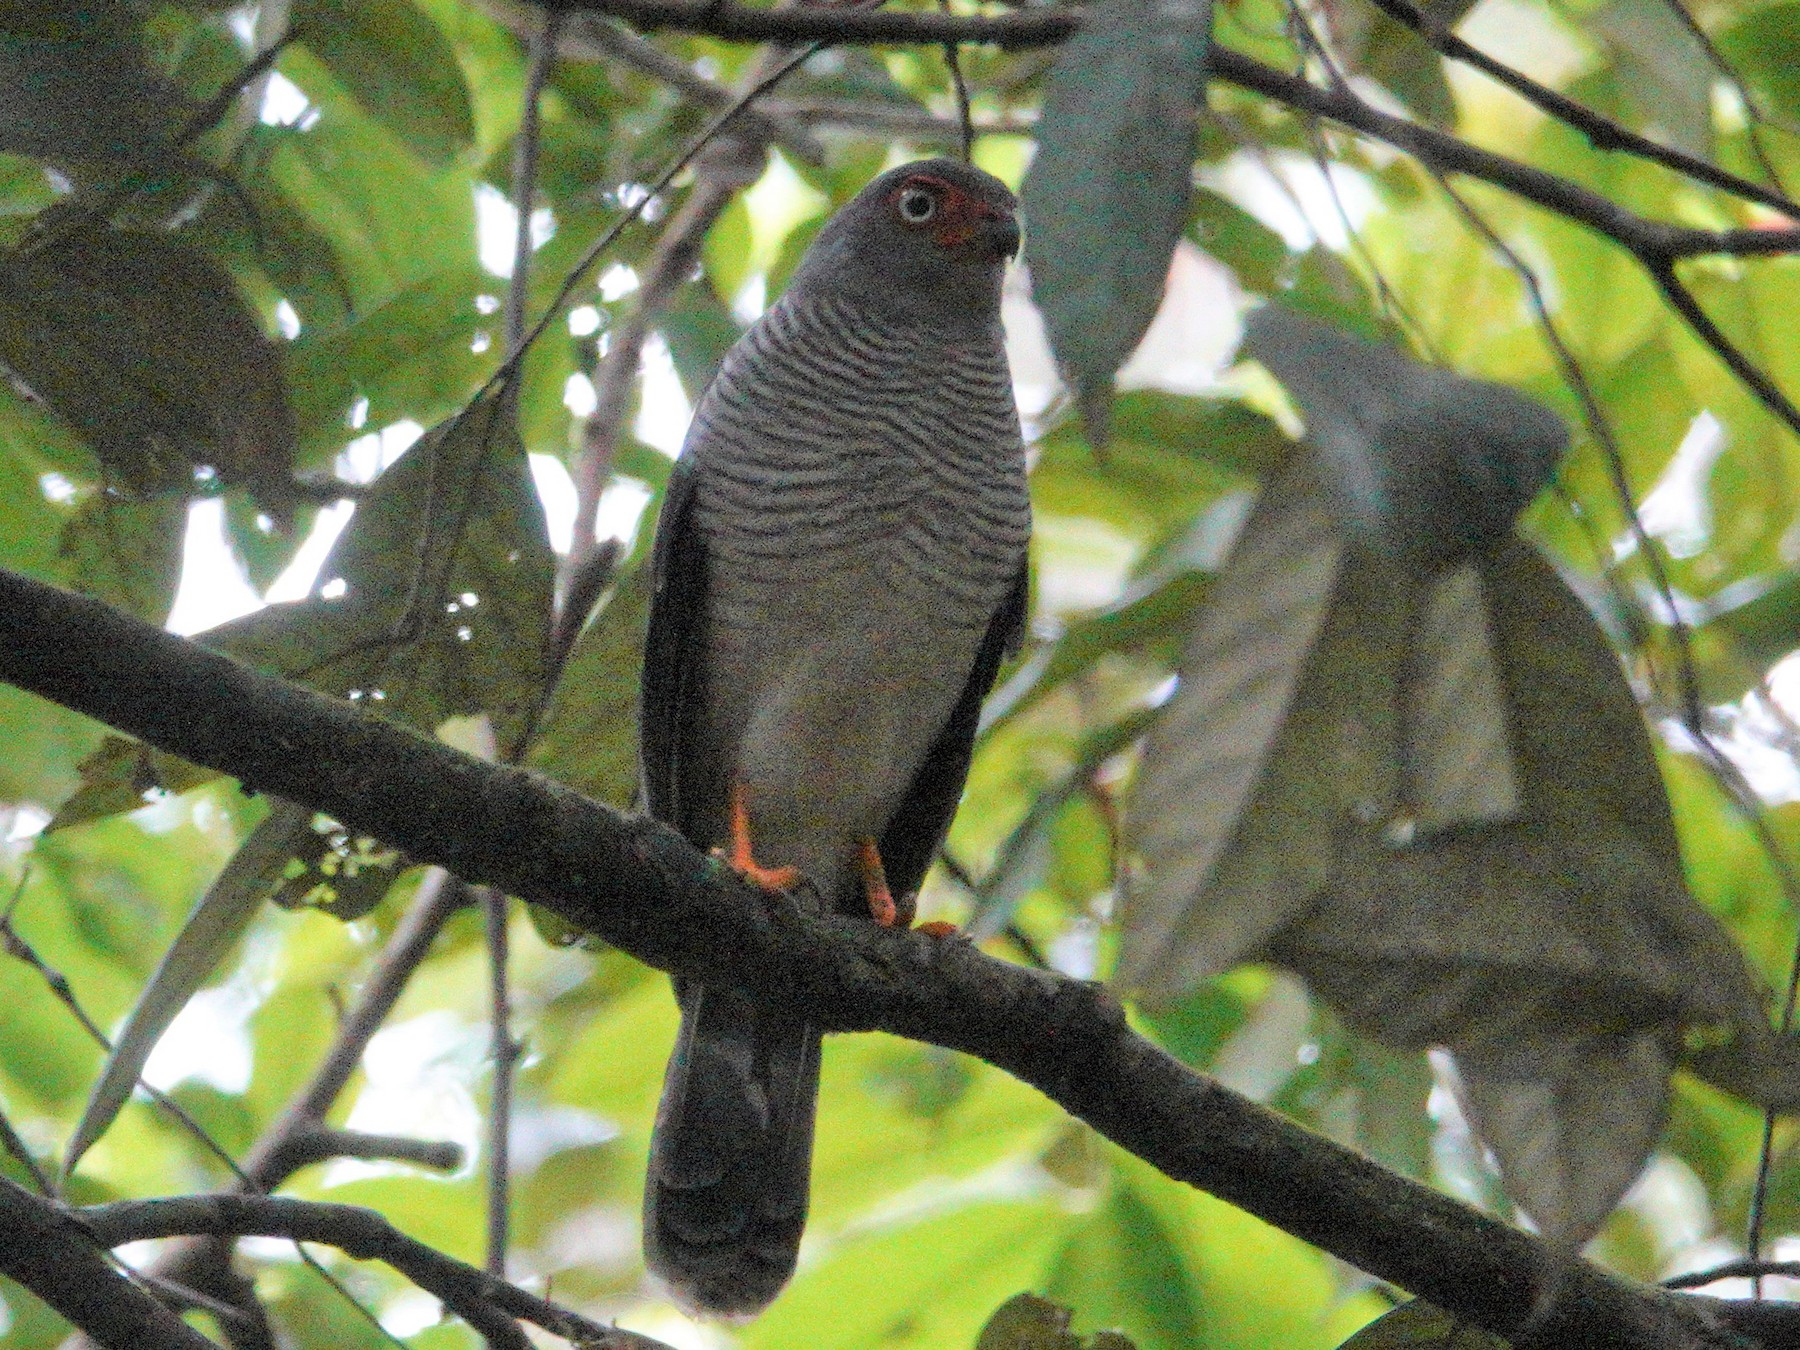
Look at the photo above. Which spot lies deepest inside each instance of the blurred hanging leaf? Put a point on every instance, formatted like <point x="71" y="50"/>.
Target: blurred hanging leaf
<point x="79" y="87"/>
<point x="1422" y="464"/>
<point x="1027" y="1322"/>
<point x="1419" y="1326"/>
<point x="1259" y="750"/>
<point x="214" y="927"/>
<point x="1108" y="192"/>
<point x="396" y="64"/>
<point x="147" y="349"/>
<point x="1559" y="956"/>
<point x="1571" y="1120"/>
<point x="1372" y="44"/>
<point x="435" y="601"/>
<point x="126" y="551"/>
<point x="1662" y="69"/>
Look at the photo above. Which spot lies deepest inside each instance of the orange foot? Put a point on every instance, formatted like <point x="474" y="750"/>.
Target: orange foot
<point x="742" y="860"/>
<point x="884" y="907"/>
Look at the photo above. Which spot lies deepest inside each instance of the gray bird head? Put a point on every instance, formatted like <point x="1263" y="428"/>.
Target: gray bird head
<point x="930" y="239"/>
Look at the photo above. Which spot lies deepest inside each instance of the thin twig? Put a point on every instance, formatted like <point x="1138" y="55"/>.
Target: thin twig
<point x="17" y="947"/>
<point x="21" y="1153"/>
<point x="504" y="1051"/>
<point x="524" y="171"/>
<point x="1752" y="110"/>
<point x="670" y="267"/>
<point x="1602" y="132"/>
<point x="964" y="119"/>
<point x="593" y="37"/>
<point x="487" y="1303"/>
<point x="598" y="248"/>
<point x="1682" y="301"/>
<point x="1732" y="1270"/>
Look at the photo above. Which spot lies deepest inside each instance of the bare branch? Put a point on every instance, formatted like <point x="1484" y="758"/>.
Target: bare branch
<point x="321" y="1144"/>
<point x="645" y="889"/>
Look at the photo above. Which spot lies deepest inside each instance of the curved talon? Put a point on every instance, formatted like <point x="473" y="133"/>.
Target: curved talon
<point x="938" y="928"/>
<point x="741" y="859"/>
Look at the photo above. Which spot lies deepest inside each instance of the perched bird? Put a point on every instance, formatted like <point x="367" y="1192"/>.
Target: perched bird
<point x="839" y="570"/>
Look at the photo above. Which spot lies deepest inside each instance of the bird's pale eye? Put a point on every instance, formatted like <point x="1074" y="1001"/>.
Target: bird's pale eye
<point x="916" y="205"/>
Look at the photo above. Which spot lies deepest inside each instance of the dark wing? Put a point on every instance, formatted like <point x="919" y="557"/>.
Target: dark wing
<point x="917" y="830"/>
<point x="671" y="647"/>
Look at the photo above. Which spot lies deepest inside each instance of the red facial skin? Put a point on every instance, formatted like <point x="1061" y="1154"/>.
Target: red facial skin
<point x="958" y="217"/>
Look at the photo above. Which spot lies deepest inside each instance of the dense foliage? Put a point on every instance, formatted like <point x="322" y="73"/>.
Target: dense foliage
<point x="254" y="252"/>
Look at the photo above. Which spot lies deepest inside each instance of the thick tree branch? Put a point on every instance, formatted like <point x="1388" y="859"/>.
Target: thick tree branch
<point x="643" y="888"/>
<point x="47" y="1252"/>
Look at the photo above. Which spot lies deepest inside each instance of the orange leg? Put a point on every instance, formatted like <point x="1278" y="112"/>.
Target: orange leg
<point x="881" y="899"/>
<point x="742" y="860"/>
<point x="886" y="910"/>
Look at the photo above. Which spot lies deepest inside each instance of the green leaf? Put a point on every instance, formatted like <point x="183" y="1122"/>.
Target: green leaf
<point x="410" y="356"/>
<point x="1027" y="1322"/>
<point x="1419" y="1326"/>
<point x="435" y="602"/>
<point x="1374" y="45"/>
<point x="214" y="927"/>
<point x="119" y="776"/>
<point x="395" y="63"/>
<point x="1124" y="1267"/>
<point x="126" y="551"/>
<point x="1422" y="464"/>
<point x="1759" y="46"/>
<point x="1107" y="195"/>
<point x="146" y="348"/>
<point x="589" y="737"/>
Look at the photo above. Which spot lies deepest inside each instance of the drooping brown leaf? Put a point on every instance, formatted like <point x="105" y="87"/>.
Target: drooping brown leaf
<point x="146" y="348"/>
<point x="1422" y="464"/>
<point x="1571" y="1121"/>
<point x="1322" y="689"/>
<point x="1212" y="755"/>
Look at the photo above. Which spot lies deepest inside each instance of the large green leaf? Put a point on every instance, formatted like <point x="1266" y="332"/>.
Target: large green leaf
<point x="397" y="65"/>
<point x="147" y="349"/>
<point x="435" y="602"/>
<point x="1107" y="195"/>
<point x="213" y="929"/>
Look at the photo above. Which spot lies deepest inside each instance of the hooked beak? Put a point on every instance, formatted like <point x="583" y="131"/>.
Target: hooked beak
<point x="1002" y="235"/>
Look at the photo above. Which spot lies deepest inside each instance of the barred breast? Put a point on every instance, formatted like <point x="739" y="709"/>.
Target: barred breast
<point x="861" y="491"/>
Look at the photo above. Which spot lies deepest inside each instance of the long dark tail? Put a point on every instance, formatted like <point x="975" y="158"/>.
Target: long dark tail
<point x="731" y="1154"/>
